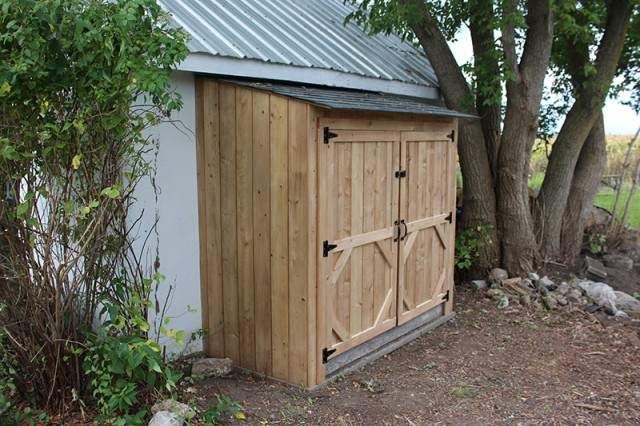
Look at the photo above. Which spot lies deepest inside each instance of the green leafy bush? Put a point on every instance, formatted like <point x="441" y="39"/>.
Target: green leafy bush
<point x="122" y="367"/>
<point x="468" y="245"/>
<point x="218" y="413"/>
<point x="597" y="243"/>
<point x="80" y="81"/>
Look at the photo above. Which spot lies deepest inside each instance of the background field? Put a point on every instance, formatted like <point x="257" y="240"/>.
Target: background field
<point x="617" y="146"/>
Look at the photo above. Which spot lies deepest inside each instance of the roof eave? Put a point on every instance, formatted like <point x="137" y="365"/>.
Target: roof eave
<point x="236" y="67"/>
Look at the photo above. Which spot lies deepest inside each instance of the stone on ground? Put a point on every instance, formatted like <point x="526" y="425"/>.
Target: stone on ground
<point x="547" y="283"/>
<point x="165" y="418"/>
<point x="479" y="284"/>
<point x="173" y="406"/>
<point x="618" y="261"/>
<point x="497" y="274"/>
<point x="593" y="269"/>
<point x="602" y="295"/>
<point x="208" y="367"/>
<point x="627" y="302"/>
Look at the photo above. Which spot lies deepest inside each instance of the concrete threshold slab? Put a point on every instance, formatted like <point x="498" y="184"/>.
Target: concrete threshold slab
<point x="385" y="343"/>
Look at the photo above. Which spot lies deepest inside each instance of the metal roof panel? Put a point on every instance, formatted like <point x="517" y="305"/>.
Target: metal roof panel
<point x="301" y="33"/>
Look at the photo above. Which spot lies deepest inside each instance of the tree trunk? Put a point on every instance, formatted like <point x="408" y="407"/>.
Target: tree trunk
<point x="488" y="102"/>
<point x="552" y="200"/>
<point x="479" y="202"/>
<point x="519" y="132"/>
<point x="584" y="186"/>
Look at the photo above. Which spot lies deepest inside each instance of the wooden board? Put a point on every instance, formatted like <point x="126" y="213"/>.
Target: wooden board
<point x="270" y="192"/>
<point x="211" y="151"/>
<point x="370" y="283"/>
<point x="424" y="274"/>
<point x="298" y="240"/>
<point x="244" y="208"/>
<point x="279" y="188"/>
<point x="261" y="231"/>
<point x="359" y="201"/>
<point x="231" y="325"/>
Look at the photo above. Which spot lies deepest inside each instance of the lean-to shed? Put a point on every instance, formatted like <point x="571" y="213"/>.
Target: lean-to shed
<point x="325" y="168"/>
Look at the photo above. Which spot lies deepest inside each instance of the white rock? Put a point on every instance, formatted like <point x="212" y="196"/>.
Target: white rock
<point x="533" y="276"/>
<point x="602" y="294"/>
<point x="479" y="284"/>
<point x="627" y="302"/>
<point x="165" y="418"/>
<point x="546" y="282"/>
<point x="173" y="406"/>
<point x="503" y="302"/>
<point x="563" y="289"/>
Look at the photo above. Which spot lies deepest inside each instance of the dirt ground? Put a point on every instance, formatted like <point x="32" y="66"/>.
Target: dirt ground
<point x="486" y="366"/>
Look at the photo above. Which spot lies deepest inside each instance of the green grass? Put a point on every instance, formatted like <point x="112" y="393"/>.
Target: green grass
<point x="536" y="180"/>
<point x="463" y="391"/>
<point x="606" y="197"/>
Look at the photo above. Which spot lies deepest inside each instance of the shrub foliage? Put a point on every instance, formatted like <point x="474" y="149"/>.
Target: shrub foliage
<point x="80" y="81"/>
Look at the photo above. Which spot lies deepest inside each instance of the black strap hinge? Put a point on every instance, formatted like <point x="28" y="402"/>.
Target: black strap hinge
<point x="449" y="218"/>
<point x="326" y="248"/>
<point x="451" y="135"/>
<point x="401" y="173"/>
<point x="326" y="353"/>
<point x="328" y="135"/>
<point x="446" y="296"/>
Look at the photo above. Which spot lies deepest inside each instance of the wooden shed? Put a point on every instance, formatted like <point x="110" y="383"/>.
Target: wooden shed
<point x="326" y="224"/>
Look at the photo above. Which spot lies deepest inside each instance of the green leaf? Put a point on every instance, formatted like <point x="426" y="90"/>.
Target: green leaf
<point x="154" y="366"/>
<point x="5" y="88"/>
<point x="22" y="209"/>
<point x="75" y="162"/>
<point x="110" y="192"/>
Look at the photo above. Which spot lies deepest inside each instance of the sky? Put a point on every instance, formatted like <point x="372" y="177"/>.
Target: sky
<point x="618" y="119"/>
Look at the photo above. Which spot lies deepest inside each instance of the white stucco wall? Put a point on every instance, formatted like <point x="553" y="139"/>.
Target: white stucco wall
<point x="169" y="196"/>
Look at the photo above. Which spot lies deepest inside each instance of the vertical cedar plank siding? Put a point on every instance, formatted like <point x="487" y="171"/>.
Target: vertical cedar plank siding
<point x="255" y="170"/>
<point x="269" y="193"/>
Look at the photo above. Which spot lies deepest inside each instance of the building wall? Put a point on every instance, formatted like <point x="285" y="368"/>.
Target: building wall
<point x="169" y="196"/>
<point x="256" y="170"/>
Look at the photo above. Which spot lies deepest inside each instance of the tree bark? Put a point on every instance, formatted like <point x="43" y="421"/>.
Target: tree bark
<point x="552" y="200"/>
<point x="479" y="202"/>
<point x="584" y="186"/>
<point x="488" y="103"/>
<point x="524" y="94"/>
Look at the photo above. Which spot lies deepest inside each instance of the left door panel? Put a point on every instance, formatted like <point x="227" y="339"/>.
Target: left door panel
<point x="360" y="207"/>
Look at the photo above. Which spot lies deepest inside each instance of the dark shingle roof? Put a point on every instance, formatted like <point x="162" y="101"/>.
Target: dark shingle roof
<point x="352" y="99"/>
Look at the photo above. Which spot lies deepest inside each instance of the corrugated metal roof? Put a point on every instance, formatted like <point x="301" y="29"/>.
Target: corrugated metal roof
<point x="298" y="33"/>
<point x="352" y="99"/>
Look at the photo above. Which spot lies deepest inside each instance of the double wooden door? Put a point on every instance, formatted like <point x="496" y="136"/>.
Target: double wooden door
<point x="386" y="202"/>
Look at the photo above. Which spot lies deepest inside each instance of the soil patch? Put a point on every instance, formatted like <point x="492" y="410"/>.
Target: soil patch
<point x="486" y="366"/>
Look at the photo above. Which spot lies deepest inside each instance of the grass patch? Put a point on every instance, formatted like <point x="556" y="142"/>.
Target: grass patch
<point x="607" y="196"/>
<point x="463" y="391"/>
<point x="536" y="180"/>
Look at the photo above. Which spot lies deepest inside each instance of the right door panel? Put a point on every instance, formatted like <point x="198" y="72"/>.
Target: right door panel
<point x="427" y="199"/>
